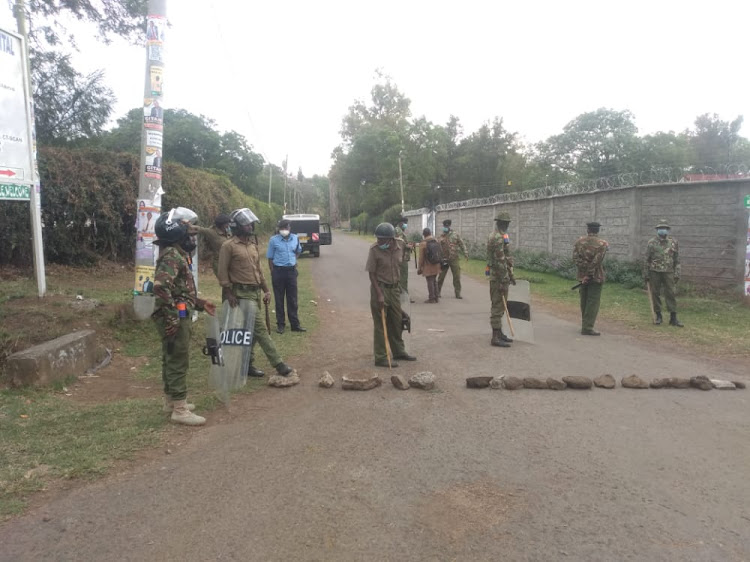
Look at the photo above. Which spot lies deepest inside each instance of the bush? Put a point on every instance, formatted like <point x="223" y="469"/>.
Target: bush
<point x="626" y="273"/>
<point x="89" y="206"/>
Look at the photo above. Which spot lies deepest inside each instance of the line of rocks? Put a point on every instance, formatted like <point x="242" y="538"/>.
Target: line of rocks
<point x="424" y="380"/>
<point x="603" y="381"/>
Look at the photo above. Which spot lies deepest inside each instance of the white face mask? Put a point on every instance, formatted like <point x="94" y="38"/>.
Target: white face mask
<point x="284" y="233"/>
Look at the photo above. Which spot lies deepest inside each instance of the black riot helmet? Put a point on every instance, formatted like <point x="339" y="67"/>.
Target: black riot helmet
<point x="385" y="230"/>
<point x="172" y="227"/>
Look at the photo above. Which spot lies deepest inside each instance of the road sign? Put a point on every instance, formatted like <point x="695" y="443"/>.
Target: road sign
<point x="15" y="137"/>
<point x="15" y="191"/>
<point x="747" y="201"/>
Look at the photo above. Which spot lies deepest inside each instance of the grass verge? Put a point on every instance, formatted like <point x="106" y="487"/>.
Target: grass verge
<point x="713" y="325"/>
<point x="45" y="436"/>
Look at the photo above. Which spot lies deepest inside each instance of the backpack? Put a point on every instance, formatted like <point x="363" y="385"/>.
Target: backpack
<point x="433" y="252"/>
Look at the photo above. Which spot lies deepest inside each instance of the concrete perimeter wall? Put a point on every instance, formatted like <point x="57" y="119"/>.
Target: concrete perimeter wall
<point x="708" y="219"/>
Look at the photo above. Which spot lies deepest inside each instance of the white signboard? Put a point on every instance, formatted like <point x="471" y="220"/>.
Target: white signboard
<point x="15" y="137"/>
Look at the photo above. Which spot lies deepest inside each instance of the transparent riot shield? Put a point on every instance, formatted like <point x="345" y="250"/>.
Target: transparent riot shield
<point x="519" y="310"/>
<point x="405" y="310"/>
<point x="233" y="334"/>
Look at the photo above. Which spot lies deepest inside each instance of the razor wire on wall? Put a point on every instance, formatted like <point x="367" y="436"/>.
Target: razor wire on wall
<point x="618" y="181"/>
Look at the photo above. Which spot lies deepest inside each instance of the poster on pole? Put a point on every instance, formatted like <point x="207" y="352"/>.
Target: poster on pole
<point x="15" y="137"/>
<point x="747" y="251"/>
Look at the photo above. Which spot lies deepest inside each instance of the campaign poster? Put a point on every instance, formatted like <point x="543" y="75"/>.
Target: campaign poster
<point x="155" y="29"/>
<point x="153" y="163"/>
<point x="144" y="280"/>
<point x="153" y="114"/>
<point x="156" y="74"/>
<point x="154" y="139"/>
<point x="747" y="260"/>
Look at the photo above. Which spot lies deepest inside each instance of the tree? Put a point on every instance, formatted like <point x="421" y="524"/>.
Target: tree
<point x="716" y="143"/>
<point x="69" y="105"/>
<point x="594" y="144"/>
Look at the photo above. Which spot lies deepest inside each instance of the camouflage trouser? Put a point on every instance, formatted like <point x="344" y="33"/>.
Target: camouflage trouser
<point x="175" y="362"/>
<point x="591" y="295"/>
<point x="662" y="282"/>
<point x="404" y="281"/>
<point x="498" y="290"/>
<point x="260" y="332"/>
<point x="393" y="324"/>
<point x="455" y="267"/>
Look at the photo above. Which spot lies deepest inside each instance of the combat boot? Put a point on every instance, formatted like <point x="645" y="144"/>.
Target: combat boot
<point x="169" y="405"/>
<point x="504" y="337"/>
<point x="458" y="295"/>
<point x="673" y="320"/>
<point x="181" y="414"/>
<point x="497" y="340"/>
<point x="253" y="371"/>
<point x="658" y="318"/>
<point x="283" y="369"/>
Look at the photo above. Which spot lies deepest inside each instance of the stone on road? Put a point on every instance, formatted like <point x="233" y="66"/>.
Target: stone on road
<point x="633" y="381"/>
<point x="578" y="382"/>
<point x="605" y="381"/>
<point x="399" y="382"/>
<point x="360" y="384"/>
<point x="424" y="380"/>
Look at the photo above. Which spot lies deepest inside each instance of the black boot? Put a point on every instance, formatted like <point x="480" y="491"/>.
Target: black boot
<point x="504" y="337"/>
<point x="658" y="318"/>
<point x="496" y="339"/>
<point x="254" y="371"/>
<point x="673" y="320"/>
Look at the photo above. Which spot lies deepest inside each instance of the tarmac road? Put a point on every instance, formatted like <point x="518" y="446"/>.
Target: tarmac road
<point x="454" y="474"/>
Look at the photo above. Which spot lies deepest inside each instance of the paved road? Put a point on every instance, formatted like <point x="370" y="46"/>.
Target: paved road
<point x="456" y="474"/>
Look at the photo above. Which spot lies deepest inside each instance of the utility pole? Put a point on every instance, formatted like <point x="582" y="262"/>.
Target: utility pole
<point x="285" y="178"/>
<point x="35" y="194"/>
<point x="150" y="190"/>
<point x="270" y="181"/>
<point x="401" y="181"/>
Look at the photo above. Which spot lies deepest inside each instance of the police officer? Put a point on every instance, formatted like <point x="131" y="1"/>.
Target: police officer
<point x="451" y="244"/>
<point x="241" y="277"/>
<point x="384" y="267"/>
<point x="215" y="237"/>
<point x="662" y="269"/>
<point x="500" y="271"/>
<point x="588" y="255"/>
<point x="175" y="298"/>
<point x="401" y="226"/>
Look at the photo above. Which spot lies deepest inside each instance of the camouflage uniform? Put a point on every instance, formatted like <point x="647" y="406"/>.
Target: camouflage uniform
<point x="451" y="244"/>
<point x="662" y="269"/>
<point x="500" y="263"/>
<point x="588" y="255"/>
<point x="173" y="283"/>
<point x="214" y="238"/>
<point x="386" y="265"/>
<point x="404" y="281"/>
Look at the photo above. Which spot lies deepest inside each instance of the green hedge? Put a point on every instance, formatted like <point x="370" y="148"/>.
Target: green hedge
<point x="89" y="206"/>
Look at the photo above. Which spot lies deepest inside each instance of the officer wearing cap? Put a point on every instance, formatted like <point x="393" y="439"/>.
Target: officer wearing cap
<point x="401" y="226"/>
<point x="500" y="271"/>
<point x="175" y="298"/>
<point x="451" y="244"/>
<point x="241" y="277"/>
<point x="662" y="270"/>
<point x="215" y="237"/>
<point x="384" y="269"/>
<point x="588" y="255"/>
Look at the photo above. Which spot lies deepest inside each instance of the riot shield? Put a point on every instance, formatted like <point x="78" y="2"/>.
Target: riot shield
<point x="233" y="334"/>
<point x="405" y="310"/>
<point x="519" y="310"/>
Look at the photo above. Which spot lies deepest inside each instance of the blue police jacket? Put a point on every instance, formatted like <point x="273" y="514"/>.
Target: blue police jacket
<point x="283" y="251"/>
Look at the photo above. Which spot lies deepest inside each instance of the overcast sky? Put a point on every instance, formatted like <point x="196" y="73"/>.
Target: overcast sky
<point x="285" y="73"/>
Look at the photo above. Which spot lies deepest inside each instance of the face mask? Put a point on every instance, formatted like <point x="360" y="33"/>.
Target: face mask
<point x="188" y="244"/>
<point x="284" y="233"/>
<point x="384" y="246"/>
<point x="662" y="232"/>
<point x="446" y="229"/>
<point x="403" y="226"/>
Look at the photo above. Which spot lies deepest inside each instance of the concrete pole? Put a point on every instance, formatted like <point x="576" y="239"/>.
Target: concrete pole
<point x="152" y="132"/>
<point x="35" y="203"/>
<point x="270" y="181"/>
<point x="401" y="181"/>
